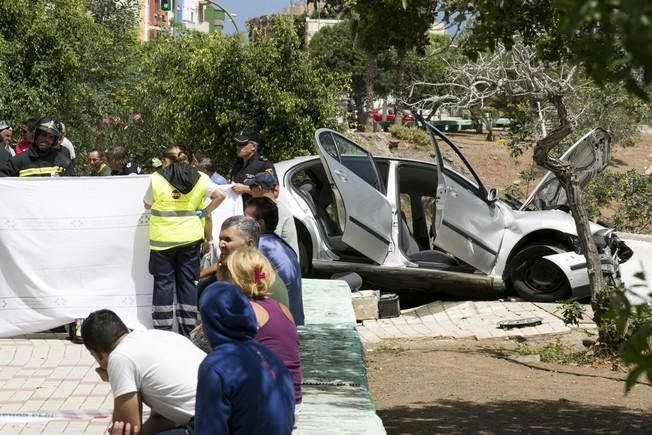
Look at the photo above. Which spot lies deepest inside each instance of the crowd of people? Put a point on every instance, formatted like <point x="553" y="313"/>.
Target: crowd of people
<point x="230" y="363"/>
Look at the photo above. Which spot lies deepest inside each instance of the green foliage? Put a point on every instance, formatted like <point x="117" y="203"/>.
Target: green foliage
<point x="572" y="312"/>
<point x="57" y="58"/>
<point x="612" y="39"/>
<point x="634" y="324"/>
<point x="412" y="135"/>
<point x="624" y="199"/>
<point x="271" y="85"/>
<point x="553" y="352"/>
<point x="332" y="49"/>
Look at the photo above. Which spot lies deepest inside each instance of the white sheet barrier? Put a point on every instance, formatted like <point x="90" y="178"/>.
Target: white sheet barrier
<point x="69" y="246"/>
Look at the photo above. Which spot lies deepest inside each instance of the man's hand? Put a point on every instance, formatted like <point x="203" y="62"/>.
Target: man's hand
<point x="241" y="188"/>
<point x="104" y="375"/>
<point x="122" y="428"/>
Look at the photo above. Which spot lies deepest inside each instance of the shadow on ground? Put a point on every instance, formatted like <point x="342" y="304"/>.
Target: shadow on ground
<point x="517" y="417"/>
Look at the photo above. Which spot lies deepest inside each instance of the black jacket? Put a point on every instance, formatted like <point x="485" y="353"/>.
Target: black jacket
<point x="31" y="163"/>
<point x="241" y="171"/>
<point x="4" y="156"/>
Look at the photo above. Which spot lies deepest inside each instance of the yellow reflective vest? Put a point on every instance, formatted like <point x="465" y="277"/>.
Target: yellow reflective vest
<point x="173" y="221"/>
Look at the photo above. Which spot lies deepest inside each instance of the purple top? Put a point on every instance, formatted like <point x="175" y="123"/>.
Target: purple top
<point x="280" y="335"/>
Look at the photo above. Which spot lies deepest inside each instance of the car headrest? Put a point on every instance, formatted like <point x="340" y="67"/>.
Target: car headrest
<point x="307" y="187"/>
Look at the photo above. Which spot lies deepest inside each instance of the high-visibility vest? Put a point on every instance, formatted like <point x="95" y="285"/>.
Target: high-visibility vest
<point x="173" y="221"/>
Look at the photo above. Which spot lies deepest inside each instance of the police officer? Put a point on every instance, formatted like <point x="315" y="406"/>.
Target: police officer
<point x="176" y="197"/>
<point x="118" y="159"/>
<point x="249" y="162"/>
<point x="41" y="159"/>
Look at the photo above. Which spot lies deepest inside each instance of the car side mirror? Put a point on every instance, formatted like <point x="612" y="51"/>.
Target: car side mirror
<point x="492" y="196"/>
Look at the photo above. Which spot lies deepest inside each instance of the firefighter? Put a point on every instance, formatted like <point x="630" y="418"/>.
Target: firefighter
<point x="41" y="159"/>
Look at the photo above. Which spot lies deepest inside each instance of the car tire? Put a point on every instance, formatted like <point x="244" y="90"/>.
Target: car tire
<point x="304" y="259"/>
<point x="537" y="280"/>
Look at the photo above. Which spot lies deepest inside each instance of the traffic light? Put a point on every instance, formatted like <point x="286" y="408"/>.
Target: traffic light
<point x="166" y="5"/>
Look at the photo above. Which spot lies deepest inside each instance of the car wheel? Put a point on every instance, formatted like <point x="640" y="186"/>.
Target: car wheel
<point x="304" y="259"/>
<point x="535" y="279"/>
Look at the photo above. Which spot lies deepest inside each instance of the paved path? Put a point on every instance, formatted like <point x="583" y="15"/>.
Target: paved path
<point x="44" y="380"/>
<point x="50" y="375"/>
<point x="468" y="319"/>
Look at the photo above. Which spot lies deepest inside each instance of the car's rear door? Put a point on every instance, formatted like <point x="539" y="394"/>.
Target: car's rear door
<point x="359" y="194"/>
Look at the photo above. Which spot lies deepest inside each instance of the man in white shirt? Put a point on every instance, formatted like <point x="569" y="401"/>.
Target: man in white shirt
<point x="65" y="143"/>
<point x="158" y="368"/>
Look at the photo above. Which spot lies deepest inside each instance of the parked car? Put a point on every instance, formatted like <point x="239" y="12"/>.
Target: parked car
<point x="389" y="116"/>
<point x="434" y="226"/>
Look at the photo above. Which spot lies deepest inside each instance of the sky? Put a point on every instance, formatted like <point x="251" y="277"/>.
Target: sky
<point x="245" y="9"/>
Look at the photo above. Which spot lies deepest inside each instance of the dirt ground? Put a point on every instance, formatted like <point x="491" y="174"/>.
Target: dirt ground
<point x="462" y="386"/>
<point x="493" y="162"/>
<point x="467" y="387"/>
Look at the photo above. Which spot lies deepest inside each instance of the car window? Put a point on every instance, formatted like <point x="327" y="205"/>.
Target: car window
<point x="354" y="157"/>
<point x="406" y="210"/>
<point x="456" y="167"/>
<point x="328" y="144"/>
<point x="428" y="207"/>
<point x="358" y="160"/>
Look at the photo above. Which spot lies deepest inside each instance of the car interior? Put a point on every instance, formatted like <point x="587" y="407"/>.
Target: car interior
<point x="417" y="189"/>
<point x="313" y="186"/>
<point x="417" y="186"/>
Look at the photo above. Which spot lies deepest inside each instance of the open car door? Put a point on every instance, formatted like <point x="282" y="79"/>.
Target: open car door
<point x="440" y="193"/>
<point x="358" y="191"/>
<point x="591" y="154"/>
<point x="467" y="224"/>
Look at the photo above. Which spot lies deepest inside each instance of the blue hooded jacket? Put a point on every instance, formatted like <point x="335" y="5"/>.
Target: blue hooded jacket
<point x="243" y="387"/>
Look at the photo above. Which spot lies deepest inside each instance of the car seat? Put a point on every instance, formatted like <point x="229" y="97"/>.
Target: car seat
<point x="330" y="226"/>
<point x="431" y="259"/>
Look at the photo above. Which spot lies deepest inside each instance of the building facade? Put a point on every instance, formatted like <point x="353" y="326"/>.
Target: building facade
<point x="199" y="15"/>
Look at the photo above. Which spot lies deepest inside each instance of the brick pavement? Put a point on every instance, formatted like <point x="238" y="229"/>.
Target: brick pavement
<point x="50" y="374"/>
<point x="467" y="319"/>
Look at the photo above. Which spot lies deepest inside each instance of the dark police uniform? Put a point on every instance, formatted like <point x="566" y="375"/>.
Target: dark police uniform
<point x="4" y="156"/>
<point x="242" y="171"/>
<point x="128" y="169"/>
<point x="33" y="164"/>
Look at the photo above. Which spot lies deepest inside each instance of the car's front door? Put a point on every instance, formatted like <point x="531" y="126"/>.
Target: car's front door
<point x="359" y="194"/>
<point x="472" y="225"/>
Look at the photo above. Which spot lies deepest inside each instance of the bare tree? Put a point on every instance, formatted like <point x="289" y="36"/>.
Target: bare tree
<point x="516" y="74"/>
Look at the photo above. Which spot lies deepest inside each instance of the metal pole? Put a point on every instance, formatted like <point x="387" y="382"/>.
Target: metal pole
<point x="228" y="14"/>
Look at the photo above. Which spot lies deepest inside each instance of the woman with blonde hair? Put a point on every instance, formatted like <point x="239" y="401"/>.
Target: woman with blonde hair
<point x="250" y="270"/>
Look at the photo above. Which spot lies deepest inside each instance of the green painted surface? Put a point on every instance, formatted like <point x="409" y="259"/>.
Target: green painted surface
<point x="336" y="397"/>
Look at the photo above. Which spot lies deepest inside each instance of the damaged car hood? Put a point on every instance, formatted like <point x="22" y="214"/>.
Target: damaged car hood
<point x="590" y="155"/>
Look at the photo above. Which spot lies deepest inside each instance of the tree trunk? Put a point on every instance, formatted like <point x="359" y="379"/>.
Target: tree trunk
<point x="398" y="85"/>
<point x="567" y="175"/>
<point x="370" y="79"/>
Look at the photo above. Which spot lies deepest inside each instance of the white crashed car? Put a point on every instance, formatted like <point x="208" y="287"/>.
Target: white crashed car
<point x="407" y="225"/>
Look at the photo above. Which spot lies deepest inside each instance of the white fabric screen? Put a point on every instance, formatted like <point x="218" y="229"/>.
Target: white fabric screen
<point x="69" y="246"/>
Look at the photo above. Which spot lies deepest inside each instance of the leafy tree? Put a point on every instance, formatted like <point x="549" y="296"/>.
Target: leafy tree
<point x="333" y="50"/>
<point x="270" y="84"/>
<point x="612" y="39"/>
<point x="406" y="23"/>
<point x="57" y="59"/>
